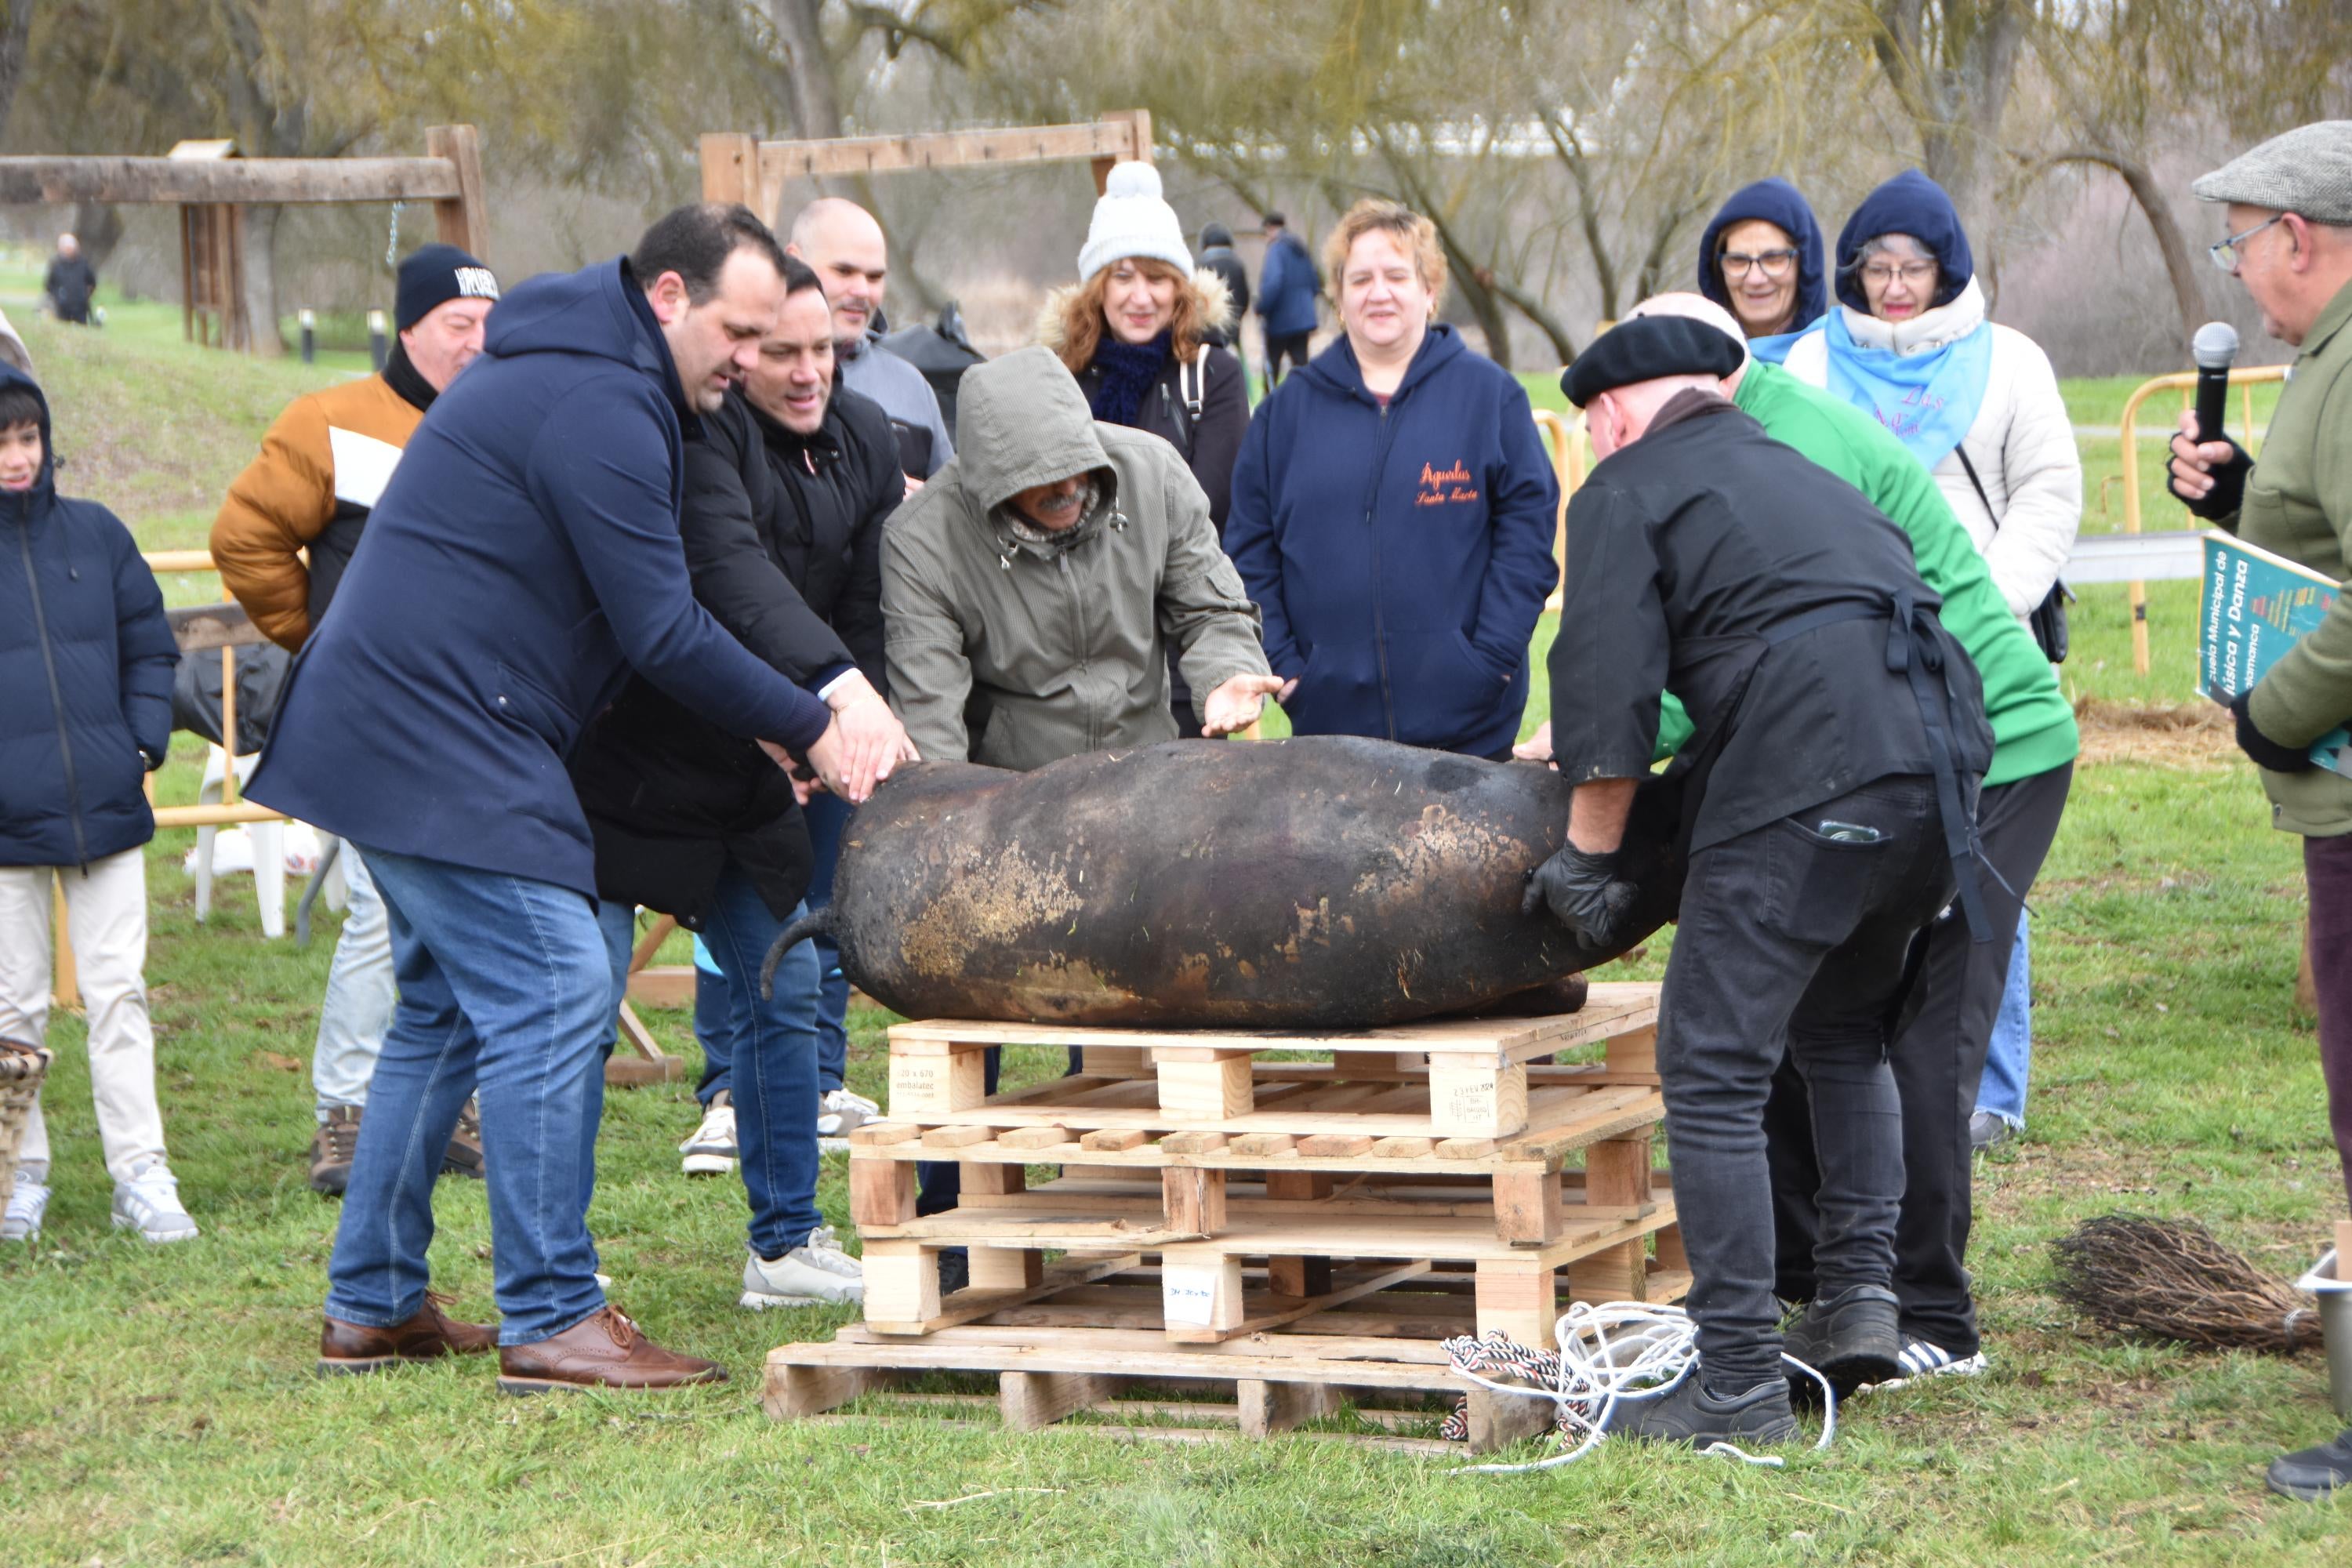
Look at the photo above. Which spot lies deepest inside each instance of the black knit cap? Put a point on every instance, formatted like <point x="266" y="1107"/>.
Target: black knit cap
<point x="434" y="275"/>
<point x="1644" y="349"/>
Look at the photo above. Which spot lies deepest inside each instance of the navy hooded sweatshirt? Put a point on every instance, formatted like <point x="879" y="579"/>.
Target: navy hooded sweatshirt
<point x="86" y="661"/>
<point x="1401" y="555"/>
<point x="1909" y="204"/>
<point x="1775" y="201"/>
<point x="524" y="555"/>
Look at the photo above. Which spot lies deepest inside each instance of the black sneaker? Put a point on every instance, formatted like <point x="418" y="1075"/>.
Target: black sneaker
<point x="1852" y="1338"/>
<point x="464" y="1155"/>
<point x="1689" y="1414"/>
<point x="2313" y="1475"/>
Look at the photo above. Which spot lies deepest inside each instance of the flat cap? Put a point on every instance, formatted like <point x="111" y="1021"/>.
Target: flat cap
<point x="1646" y="348"/>
<point x="2308" y="170"/>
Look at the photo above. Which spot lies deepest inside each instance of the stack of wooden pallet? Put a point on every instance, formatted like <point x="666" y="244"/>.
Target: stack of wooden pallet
<point x="1298" y="1218"/>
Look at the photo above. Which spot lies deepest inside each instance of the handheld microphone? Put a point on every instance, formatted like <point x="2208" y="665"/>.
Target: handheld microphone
<point x="2214" y="346"/>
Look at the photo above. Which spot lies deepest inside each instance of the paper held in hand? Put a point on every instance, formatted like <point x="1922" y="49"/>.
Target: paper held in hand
<point x="2257" y="606"/>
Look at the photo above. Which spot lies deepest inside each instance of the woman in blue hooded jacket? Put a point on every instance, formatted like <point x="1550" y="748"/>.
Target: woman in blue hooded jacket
<point x="1393" y="512"/>
<point x="1761" y="259"/>
<point x="1979" y="404"/>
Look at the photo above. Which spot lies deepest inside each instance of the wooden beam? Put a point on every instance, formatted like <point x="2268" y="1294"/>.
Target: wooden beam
<point x="778" y="163"/>
<point x="731" y="169"/>
<point x="462" y="220"/>
<point x="58" y="180"/>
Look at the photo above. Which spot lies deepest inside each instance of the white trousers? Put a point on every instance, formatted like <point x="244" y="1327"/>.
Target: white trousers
<point x="105" y="919"/>
<point x="361" y="994"/>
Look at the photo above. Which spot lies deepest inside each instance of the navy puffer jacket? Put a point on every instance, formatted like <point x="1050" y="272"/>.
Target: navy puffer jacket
<point x="86" y="661"/>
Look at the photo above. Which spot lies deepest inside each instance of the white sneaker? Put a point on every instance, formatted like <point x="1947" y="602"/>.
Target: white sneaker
<point x="27" y="1201"/>
<point x="1921" y="1360"/>
<point x="711" y="1151"/>
<point x="840" y="1112"/>
<point x="149" y="1203"/>
<point x="816" y="1274"/>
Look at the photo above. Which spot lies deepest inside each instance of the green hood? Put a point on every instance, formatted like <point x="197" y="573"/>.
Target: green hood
<point x="1022" y="421"/>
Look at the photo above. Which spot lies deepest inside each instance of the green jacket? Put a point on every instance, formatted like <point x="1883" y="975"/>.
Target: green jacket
<point x="2033" y="725"/>
<point x="1017" y="651"/>
<point x="2298" y="504"/>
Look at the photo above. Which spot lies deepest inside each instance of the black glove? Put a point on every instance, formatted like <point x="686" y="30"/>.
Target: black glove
<point x="2261" y="747"/>
<point x="1582" y="892"/>
<point x="2228" y="491"/>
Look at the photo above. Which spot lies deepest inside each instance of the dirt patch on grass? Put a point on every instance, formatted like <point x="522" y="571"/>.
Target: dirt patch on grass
<point x="2185" y="736"/>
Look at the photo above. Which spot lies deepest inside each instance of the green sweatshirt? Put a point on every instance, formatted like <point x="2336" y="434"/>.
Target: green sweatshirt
<point x="2298" y="504"/>
<point x="2032" y="726"/>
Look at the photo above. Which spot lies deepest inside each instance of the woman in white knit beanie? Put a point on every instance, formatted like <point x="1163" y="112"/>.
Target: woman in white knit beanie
<point x="1144" y="332"/>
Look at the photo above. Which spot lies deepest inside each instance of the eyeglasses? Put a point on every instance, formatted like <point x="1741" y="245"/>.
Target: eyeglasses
<point x="1913" y="273"/>
<point x="1775" y="263"/>
<point x="2225" y="253"/>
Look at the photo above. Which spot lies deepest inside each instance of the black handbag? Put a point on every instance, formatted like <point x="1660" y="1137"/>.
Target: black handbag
<point x="2048" y="621"/>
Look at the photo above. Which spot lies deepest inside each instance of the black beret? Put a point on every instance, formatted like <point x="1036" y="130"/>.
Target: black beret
<point x="1646" y="348"/>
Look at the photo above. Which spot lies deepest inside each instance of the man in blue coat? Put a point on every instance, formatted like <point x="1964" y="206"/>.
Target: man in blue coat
<point x="523" y="558"/>
<point x="1287" y="290"/>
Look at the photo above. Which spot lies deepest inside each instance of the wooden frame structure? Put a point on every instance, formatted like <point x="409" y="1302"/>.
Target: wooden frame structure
<point x="737" y="167"/>
<point x="212" y="186"/>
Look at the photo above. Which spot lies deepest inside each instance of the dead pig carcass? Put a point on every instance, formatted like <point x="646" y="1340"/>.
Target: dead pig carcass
<point x="1322" y="883"/>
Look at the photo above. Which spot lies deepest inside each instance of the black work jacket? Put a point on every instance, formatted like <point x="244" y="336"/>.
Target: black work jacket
<point x="784" y="541"/>
<point x="1691" y="554"/>
<point x="1209" y="443"/>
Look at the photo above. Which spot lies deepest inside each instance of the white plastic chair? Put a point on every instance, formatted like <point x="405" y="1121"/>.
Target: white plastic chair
<point x="269" y="848"/>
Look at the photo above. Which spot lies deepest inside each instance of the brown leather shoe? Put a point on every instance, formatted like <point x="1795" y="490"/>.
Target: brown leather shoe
<point x="606" y="1351"/>
<point x="331" y="1148"/>
<point x="428" y="1335"/>
<point x="464" y="1155"/>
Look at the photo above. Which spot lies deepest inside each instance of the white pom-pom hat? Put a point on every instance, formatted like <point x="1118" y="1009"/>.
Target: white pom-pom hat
<point x="1133" y="219"/>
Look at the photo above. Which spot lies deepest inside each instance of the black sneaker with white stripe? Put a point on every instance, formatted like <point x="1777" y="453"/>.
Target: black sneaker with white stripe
<point x="1922" y="1359"/>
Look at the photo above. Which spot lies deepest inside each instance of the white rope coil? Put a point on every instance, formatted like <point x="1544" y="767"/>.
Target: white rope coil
<point x="1609" y="1355"/>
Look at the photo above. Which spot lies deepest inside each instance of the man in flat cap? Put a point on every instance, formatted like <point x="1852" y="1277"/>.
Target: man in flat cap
<point x="1827" y="789"/>
<point x="2289" y="240"/>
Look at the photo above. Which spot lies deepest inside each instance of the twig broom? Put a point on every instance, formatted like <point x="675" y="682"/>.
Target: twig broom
<point x="2171" y="1280"/>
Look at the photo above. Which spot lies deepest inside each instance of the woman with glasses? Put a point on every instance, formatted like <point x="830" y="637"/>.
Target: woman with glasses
<point x="1760" y="259"/>
<point x="1979" y="405"/>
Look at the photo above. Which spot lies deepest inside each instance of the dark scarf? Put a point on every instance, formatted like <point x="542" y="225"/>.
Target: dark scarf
<point x="1124" y="372"/>
<point x="403" y="378"/>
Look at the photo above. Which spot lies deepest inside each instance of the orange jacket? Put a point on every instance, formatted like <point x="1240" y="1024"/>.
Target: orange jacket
<point x="321" y="468"/>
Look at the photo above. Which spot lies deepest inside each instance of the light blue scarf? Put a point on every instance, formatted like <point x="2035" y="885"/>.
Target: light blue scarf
<point x="1927" y="400"/>
<point x="1773" y="348"/>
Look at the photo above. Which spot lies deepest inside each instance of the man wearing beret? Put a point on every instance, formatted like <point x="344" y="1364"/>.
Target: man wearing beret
<point x="281" y="542"/>
<point x="1829" y="789"/>
<point x="2289" y="240"/>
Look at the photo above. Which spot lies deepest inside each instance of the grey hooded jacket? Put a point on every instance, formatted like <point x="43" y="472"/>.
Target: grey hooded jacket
<point x="1016" y="652"/>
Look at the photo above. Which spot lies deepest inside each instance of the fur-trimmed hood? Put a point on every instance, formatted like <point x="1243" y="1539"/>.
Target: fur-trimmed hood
<point x="1212" y="301"/>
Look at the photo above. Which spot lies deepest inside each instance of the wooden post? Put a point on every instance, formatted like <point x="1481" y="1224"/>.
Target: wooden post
<point x="65" y="988"/>
<point x="1140" y="120"/>
<point x="463" y="220"/>
<point x="1202" y="1085"/>
<point x="1519" y="1297"/>
<point x="1200" y="1293"/>
<point x="881" y="1191"/>
<point x="934" y="1083"/>
<point x="1616" y="1176"/>
<point x="730" y="170"/>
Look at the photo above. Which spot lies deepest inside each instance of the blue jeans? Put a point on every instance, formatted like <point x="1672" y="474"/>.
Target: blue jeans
<point x="2010" y="1062"/>
<point x="774" y="1072"/>
<point x="715" y="1025"/>
<point x="719" y="1033"/>
<point x="500" y="997"/>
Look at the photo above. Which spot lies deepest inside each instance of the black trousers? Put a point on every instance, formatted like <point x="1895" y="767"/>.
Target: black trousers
<point x="1792" y="942"/>
<point x="939" y="1183"/>
<point x="1937" y="1057"/>
<point x="1291" y="346"/>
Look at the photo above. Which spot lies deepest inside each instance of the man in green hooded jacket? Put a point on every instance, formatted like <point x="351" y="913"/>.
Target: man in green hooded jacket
<point x="1940" y="1053"/>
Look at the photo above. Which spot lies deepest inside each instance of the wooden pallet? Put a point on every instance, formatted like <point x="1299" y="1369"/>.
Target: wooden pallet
<point x="1312" y="1262"/>
<point x="1092" y="1349"/>
<point x="1449" y="1077"/>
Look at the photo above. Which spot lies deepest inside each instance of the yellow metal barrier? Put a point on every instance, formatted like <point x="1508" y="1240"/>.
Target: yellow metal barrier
<point x="1571" y="456"/>
<point x="2185" y="382"/>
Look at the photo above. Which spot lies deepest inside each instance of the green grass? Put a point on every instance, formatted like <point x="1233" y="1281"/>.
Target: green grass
<point x="157" y="1407"/>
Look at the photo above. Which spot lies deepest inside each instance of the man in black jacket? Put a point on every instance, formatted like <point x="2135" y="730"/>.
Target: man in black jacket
<point x="1829" y="794"/>
<point x="70" y="281"/>
<point x="782" y="521"/>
